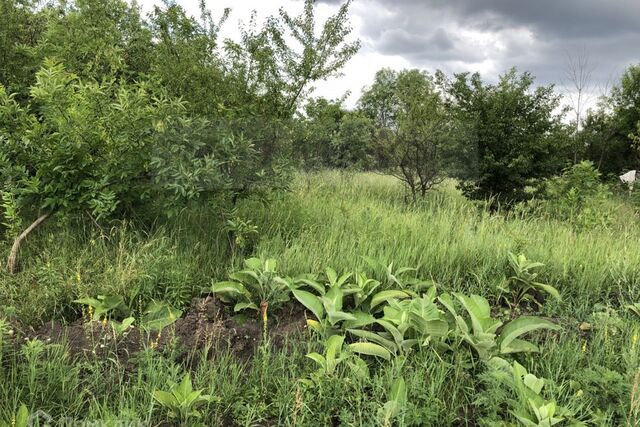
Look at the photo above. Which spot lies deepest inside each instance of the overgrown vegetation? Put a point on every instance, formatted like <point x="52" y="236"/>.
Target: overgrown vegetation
<point x="223" y="249"/>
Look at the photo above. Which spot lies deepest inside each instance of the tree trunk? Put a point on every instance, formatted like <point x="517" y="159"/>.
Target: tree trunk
<point x="12" y="261"/>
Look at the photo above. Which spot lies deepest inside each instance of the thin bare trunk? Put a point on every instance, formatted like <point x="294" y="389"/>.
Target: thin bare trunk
<point x="12" y="261"/>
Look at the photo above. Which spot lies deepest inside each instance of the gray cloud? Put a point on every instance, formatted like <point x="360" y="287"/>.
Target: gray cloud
<point x="534" y="35"/>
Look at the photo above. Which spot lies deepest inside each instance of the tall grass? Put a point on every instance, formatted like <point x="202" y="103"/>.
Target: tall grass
<point x="326" y="219"/>
<point x="334" y="219"/>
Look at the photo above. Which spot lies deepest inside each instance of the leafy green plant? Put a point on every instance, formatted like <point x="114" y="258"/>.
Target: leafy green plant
<point x="241" y="233"/>
<point x="256" y="287"/>
<point x="521" y="285"/>
<point x="407" y="323"/>
<point x="20" y="419"/>
<point x="327" y="306"/>
<point x="332" y="357"/>
<point x="397" y="403"/>
<point x="399" y="278"/>
<point x="156" y="316"/>
<point x="102" y="305"/>
<point x="529" y="407"/>
<point x="182" y="400"/>
<point x="488" y="336"/>
<point x="119" y="328"/>
<point x="335" y="354"/>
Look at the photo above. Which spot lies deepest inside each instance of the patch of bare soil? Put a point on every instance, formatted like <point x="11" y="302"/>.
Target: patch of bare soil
<point x="207" y="323"/>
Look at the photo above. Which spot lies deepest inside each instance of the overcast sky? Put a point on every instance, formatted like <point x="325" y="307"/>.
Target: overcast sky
<point x="488" y="36"/>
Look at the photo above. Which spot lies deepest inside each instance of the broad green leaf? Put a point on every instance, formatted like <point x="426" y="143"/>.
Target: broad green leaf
<point x="334" y="345"/>
<point x="229" y="288"/>
<point x="370" y="349"/>
<point x="533" y="382"/>
<point x="166" y="399"/>
<point x="318" y="358"/>
<point x="319" y="288"/>
<point x="270" y="265"/>
<point x="522" y="325"/>
<point x="332" y="276"/>
<point x="310" y="301"/>
<point x="87" y="301"/>
<point x="253" y="263"/>
<point x="158" y="316"/>
<point x="338" y="316"/>
<point x="360" y="319"/>
<point x="519" y="346"/>
<point x="374" y="337"/>
<point x="22" y="417"/>
<point x="549" y="289"/>
<point x="245" y="276"/>
<point x="399" y="391"/>
<point x="383" y="296"/>
<point x="244" y="305"/>
<point x="315" y="325"/>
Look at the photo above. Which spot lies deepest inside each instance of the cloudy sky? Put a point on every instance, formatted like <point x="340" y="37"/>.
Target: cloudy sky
<point x="488" y="36"/>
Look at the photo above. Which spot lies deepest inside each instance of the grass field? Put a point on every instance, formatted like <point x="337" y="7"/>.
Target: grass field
<point x="334" y="220"/>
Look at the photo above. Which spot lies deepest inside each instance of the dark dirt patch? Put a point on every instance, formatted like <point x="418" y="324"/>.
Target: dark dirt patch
<point x="207" y="323"/>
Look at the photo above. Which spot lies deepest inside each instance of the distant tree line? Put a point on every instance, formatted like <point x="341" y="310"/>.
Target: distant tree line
<point x="496" y="139"/>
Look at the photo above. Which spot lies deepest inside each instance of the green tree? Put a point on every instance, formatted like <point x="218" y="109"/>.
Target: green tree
<point x="413" y="135"/>
<point x="611" y="146"/>
<point x="98" y="39"/>
<point x="353" y="143"/>
<point x="82" y="147"/>
<point x="21" y="28"/>
<point x="510" y="134"/>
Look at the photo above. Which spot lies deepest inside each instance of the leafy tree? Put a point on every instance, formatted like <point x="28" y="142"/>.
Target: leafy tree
<point x="353" y="143"/>
<point x="414" y="129"/>
<point x="21" y="28"/>
<point x="317" y="131"/>
<point x="98" y="39"/>
<point x="83" y="147"/>
<point x="510" y="134"/>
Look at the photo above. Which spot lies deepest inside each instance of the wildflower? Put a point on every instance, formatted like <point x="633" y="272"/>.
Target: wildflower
<point x="634" y="339"/>
<point x="584" y="347"/>
<point x="104" y="321"/>
<point x="78" y="276"/>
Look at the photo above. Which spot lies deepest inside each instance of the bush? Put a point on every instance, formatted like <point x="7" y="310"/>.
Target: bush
<point x="578" y="196"/>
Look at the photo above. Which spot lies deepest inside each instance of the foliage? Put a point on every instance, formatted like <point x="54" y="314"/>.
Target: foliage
<point x="414" y="127"/>
<point x="94" y="143"/>
<point x="522" y="285"/>
<point x="182" y="400"/>
<point x="578" y="196"/>
<point x="256" y="287"/>
<point x="528" y="405"/>
<point x="480" y="330"/>
<point x="509" y="133"/>
<point x="397" y="402"/>
<point x="610" y="129"/>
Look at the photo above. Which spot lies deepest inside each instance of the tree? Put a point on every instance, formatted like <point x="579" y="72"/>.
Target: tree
<point x="608" y="131"/>
<point x="414" y="129"/>
<point x="318" y="129"/>
<point x="83" y="147"/>
<point x="512" y="134"/>
<point x="353" y="143"/>
<point x="578" y="74"/>
<point x="20" y="31"/>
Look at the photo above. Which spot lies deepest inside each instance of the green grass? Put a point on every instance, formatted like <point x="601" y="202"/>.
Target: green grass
<point x="328" y="219"/>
